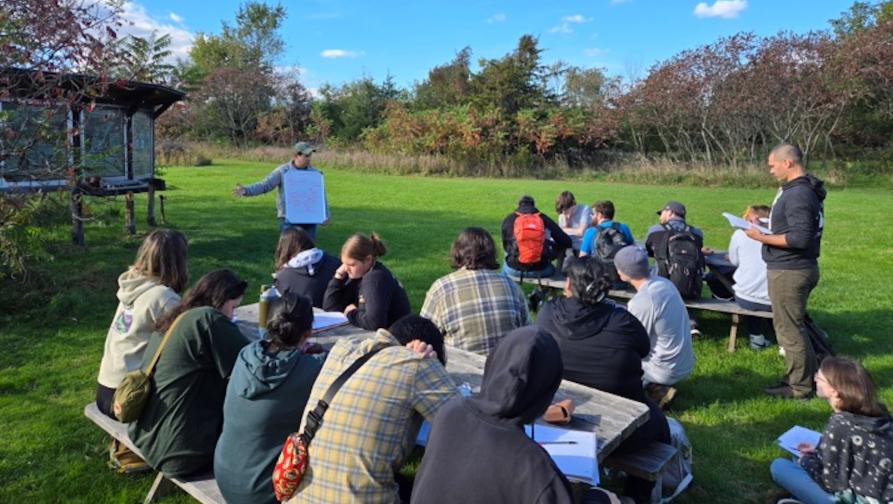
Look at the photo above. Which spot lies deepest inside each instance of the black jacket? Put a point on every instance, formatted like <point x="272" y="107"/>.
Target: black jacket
<point x="379" y="297"/>
<point x="561" y="240"/>
<point x="478" y="452"/>
<point x="797" y="213"/>
<point x="300" y="281"/>
<point x="602" y="346"/>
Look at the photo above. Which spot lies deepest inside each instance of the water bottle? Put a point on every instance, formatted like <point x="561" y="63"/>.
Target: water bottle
<point x="268" y="294"/>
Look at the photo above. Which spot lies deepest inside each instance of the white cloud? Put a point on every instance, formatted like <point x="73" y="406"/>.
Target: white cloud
<point x="139" y="23"/>
<point x="175" y="17"/>
<point x="565" y="27"/>
<point x="497" y="18"/>
<point x="576" y="18"/>
<point x="726" y="9"/>
<point x="340" y="53"/>
<point x="594" y="52"/>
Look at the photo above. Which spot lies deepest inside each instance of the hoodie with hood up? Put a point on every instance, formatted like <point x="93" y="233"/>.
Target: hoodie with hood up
<point x="477" y="450"/>
<point x="855" y="454"/>
<point x="602" y="347"/>
<point x="264" y="401"/>
<point x="798" y="212"/>
<point x="142" y="301"/>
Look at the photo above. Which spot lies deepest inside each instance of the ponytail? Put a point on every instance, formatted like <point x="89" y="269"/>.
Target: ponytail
<point x="360" y="246"/>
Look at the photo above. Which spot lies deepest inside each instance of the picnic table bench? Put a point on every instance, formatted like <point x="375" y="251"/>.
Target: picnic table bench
<point x="556" y="282"/>
<point x="203" y="488"/>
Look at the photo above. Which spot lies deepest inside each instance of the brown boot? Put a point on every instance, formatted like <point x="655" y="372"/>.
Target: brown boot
<point x="124" y="461"/>
<point x="661" y="394"/>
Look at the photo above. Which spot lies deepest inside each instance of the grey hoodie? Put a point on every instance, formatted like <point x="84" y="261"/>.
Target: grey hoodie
<point x="142" y="301"/>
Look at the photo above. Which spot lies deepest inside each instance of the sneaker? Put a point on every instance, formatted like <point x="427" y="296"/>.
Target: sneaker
<point x="759" y="342"/>
<point x="695" y="333"/>
<point x="788" y="500"/>
<point x="786" y="392"/>
<point x="781" y="350"/>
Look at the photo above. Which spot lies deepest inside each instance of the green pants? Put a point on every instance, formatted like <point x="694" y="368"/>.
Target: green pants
<point x="789" y="291"/>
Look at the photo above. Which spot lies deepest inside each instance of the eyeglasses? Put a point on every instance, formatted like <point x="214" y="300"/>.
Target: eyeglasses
<point x="819" y="377"/>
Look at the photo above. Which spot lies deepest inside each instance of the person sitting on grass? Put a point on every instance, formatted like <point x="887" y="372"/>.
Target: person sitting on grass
<point x="475" y="305"/>
<point x="603" y="346"/>
<point x="573" y="218"/>
<point x="661" y="311"/>
<point x="371" y="425"/>
<point x="368" y="293"/>
<point x="265" y="399"/>
<point x="301" y="267"/>
<point x="183" y="416"/>
<point x="853" y="461"/>
<point x="751" y="285"/>
<point x="472" y="438"/>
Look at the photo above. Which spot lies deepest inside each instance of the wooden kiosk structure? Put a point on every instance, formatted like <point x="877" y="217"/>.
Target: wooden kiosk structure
<point x="100" y="144"/>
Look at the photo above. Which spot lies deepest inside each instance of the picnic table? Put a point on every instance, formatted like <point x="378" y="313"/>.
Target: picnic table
<point x="612" y="418"/>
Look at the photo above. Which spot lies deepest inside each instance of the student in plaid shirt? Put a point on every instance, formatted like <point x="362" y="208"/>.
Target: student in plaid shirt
<point x="371" y="425"/>
<point x="475" y="305"/>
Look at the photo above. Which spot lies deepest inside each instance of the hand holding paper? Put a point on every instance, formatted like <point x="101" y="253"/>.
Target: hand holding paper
<point x="739" y="223"/>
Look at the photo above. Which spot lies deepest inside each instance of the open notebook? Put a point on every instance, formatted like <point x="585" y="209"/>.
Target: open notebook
<point x="327" y="320"/>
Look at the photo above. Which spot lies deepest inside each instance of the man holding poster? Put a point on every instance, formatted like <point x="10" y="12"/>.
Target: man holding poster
<point x="301" y="197"/>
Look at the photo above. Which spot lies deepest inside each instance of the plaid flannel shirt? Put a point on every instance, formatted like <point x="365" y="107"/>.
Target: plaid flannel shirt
<point x="474" y="309"/>
<point x="371" y="426"/>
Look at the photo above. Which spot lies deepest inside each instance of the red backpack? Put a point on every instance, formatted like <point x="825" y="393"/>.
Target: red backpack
<point x="530" y="236"/>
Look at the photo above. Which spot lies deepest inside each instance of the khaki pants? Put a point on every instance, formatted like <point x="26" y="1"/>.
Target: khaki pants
<point x="789" y="291"/>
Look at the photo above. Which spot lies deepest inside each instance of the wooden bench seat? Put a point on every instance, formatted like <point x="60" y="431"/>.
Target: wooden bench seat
<point x="203" y="488"/>
<point x="556" y="282"/>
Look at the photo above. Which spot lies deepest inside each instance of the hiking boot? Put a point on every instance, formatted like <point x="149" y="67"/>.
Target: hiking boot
<point x="124" y="461"/>
<point x="661" y="394"/>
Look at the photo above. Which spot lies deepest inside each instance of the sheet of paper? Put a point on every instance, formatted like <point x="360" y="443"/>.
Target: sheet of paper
<point x="573" y="451"/>
<point x="328" y="320"/>
<point x="739" y="223"/>
<point x="305" y="196"/>
<point x="796" y="435"/>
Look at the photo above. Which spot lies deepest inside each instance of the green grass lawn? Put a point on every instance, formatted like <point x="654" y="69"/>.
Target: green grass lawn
<point x="52" y="328"/>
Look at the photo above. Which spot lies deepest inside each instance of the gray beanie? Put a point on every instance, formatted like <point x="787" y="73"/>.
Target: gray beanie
<point x="632" y="261"/>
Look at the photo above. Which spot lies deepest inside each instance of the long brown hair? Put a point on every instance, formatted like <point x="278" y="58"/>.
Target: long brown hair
<point x="854" y="386"/>
<point x="360" y="246"/>
<point x="214" y="289"/>
<point x="162" y="255"/>
<point x="292" y="241"/>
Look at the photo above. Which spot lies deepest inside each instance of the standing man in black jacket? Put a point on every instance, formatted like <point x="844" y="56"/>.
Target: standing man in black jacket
<point x="791" y="253"/>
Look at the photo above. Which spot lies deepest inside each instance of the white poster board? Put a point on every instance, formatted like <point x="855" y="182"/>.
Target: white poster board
<point x="305" y="196"/>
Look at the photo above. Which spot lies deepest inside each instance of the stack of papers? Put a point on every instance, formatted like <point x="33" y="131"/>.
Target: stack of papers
<point x="573" y="451"/>
<point x="797" y="435"/>
<point x="327" y="320"/>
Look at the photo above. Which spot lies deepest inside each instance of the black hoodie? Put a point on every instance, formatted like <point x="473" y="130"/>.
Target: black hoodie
<point x="602" y="346"/>
<point x="561" y="239"/>
<point x="798" y="213"/>
<point x="477" y="450"/>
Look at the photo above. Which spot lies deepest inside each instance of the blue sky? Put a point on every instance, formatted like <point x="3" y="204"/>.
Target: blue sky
<point x="340" y="40"/>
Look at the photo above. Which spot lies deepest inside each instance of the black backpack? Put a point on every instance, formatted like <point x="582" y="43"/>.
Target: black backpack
<point x="679" y="258"/>
<point x="605" y="245"/>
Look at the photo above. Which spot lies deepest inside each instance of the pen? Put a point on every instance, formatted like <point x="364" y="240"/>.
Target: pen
<point x="557" y="442"/>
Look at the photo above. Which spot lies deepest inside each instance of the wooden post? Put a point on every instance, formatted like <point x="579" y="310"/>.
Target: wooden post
<point x="150" y="211"/>
<point x="161" y="201"/>
<point x="733" y="332"/>
<point x="77" y="219"/>
<point x="129" y="220"/>
<point x="161" y="487"/>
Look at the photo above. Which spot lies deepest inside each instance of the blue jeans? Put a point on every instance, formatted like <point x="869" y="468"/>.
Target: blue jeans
<point x="755" y="325"/>
<point x="793" y="478"/>
<point x="543" y="273"/>
<point x="310" y="229"/>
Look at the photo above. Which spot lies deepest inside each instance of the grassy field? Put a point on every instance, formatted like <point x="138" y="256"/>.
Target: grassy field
<point x="53" y="327"/>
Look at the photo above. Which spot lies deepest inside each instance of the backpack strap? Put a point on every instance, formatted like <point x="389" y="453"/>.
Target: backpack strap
<point x="314" y="418"/>
<point x="166" y="337"/>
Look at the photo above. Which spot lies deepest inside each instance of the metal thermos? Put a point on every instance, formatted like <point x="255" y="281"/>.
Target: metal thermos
<point x="268" y="294"/>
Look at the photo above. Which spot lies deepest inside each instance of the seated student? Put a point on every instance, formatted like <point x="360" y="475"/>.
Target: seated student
<point x="751" y="285"/>
<point x="146" y="291"/>
<point x="265" y="400"/>
<point x="475" y="305"/>
<point x="573" y="219"/>
<point x="301" y="267"/>
<point x="660" y="309"/>
<point x="852" y="462"/>
<point x="602" y="346"/>
<point x="368" y="293"/>
<point x="606" y="238"/>
<point x="531" y="241"/>
<point x="371" y="424"/>
<point x="472" y="438"/>
<point x="183" y="416"/>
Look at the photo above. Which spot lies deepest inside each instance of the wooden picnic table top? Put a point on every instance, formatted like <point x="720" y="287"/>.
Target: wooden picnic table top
<point x="612" y="418"/>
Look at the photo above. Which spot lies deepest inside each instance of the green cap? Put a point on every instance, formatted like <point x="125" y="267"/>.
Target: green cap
<point x="304" y="148"/>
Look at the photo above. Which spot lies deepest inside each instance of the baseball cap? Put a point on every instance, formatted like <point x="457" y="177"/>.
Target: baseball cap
<point x="675" y="207"/>
<point x="304" y="148"/>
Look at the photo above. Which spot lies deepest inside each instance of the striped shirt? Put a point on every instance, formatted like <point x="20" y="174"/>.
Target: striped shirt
<point x="474" y="309"/>
<point x="371" y="426"/>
